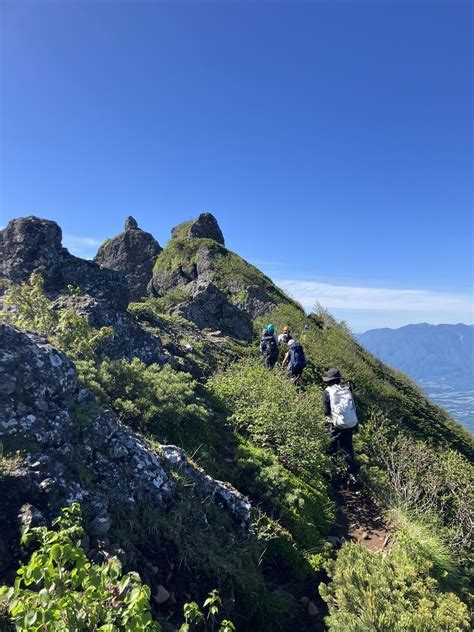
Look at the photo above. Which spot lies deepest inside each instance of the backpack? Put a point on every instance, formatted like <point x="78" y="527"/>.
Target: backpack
<point x="286" y="337"/>
<point x="269" y="346"/>
<point x="343" y="412"/>
<point x="297" y="360"/>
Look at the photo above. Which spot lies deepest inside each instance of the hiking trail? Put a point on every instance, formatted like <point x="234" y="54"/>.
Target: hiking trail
<point x="360" y="519"/>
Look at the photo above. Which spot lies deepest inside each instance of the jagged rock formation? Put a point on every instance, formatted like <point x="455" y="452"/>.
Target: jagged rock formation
<point x="210" y="285"/>
<point x="31" y="243"/>
<point x="133" y="253"/>
<point x="203" y="227"/>
<point x="74" y="449"/>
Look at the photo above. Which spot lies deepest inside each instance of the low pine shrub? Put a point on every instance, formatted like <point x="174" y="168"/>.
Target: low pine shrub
<point x="157" y="400"/>
<point x="389" y="593"/>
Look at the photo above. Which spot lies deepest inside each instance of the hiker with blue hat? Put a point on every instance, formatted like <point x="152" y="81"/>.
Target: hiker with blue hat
<point x="269" y="346"/>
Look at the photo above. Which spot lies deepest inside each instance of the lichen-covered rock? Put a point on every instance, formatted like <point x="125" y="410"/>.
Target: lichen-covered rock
<point x="73" y="450"/>
<point x="207" y="486"/>
<point x="31" y="243"/>
<point x="204" y="226"/>
<point x="133" y="253"/>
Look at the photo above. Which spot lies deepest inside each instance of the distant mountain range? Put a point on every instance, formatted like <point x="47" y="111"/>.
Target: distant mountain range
<point x="439" y="357"/>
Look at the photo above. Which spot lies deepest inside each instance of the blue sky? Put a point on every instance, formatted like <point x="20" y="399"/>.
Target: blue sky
<point x="332" y="140"/>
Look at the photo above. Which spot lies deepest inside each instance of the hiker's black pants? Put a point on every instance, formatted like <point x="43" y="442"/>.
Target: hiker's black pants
<point x="342" y="442"/>
<point x="270" y="361"/>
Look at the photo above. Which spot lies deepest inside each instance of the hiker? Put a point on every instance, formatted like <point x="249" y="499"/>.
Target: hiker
<point x="286" y="336"/>
<point x="341" y="416"/>
<point x="269" y="346"/>
<point x="295" y="360"/>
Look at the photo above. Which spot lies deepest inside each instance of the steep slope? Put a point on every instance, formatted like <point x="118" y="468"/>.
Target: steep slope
<point x="210" y="285"/>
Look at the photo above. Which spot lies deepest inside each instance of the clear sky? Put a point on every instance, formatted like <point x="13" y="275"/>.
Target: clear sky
<point x="332" y="140"/>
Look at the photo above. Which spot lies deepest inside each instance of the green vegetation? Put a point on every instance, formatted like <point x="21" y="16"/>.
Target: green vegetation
<point x="194" y="618"/>
<point x="230" y="273"/>
<point x="391" y="592"/>
<point x="31" y="309"/>
<point x="252" y="428"/>
<point x="264" y="406"/>
<point x="59" y="589"/>
<point x="153" y="399"/>
<point x="183" y="252"/>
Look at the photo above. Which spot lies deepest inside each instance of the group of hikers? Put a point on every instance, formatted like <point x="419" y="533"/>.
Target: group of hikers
<point x="337" y="399"/>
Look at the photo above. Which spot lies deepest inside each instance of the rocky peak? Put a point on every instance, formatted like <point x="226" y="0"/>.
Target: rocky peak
<point x="204" y="226"/>
<point x="131" y="223"/>
<point x="32" y="243"/>
<point x="27" y="244"/>
<point x="133" y="253"/>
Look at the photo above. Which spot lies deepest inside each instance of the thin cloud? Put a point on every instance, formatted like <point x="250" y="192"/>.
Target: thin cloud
<point x="369" y="298"/>
<point x="85" y="247"/>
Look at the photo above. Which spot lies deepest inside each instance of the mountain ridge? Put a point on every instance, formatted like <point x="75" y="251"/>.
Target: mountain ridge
<point x="172" y="383"/>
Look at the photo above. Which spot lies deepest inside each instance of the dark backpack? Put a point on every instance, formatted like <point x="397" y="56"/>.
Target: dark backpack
<point x="286" y="337"/>
<point x="269" y="346"/>
<point x="297" y="360"/>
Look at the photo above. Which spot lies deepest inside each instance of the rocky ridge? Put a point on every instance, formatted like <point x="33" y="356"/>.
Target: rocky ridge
<point x="101" y="295"/>
<point x="76" y="451"/>
<point x="212" y="286"/>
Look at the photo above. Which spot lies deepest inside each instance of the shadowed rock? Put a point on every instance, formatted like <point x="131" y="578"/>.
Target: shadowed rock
<point x="133" y="253"/>
<point x="31" y="243"/>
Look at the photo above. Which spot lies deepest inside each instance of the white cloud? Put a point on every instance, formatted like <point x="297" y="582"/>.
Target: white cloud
<point x="368" y="298"/>
<point x="85" y="247"/>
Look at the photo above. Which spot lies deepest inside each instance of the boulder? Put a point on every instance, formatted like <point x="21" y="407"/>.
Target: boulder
<point x="208" y="307"/>
<point x="133" y="253"/>
<point x="31" y="243"/>
<point x="205" y="226"/>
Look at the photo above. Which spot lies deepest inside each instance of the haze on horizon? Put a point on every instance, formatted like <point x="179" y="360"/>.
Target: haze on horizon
<point x="332" y="141"/>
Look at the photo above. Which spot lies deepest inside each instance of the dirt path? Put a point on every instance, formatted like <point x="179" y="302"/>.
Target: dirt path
<point x="360" y="520"/>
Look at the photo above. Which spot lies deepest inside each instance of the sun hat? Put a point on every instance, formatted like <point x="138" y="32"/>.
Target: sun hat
<point x="332" y="374"/>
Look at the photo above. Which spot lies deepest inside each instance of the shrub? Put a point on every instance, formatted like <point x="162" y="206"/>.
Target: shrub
<point x="422" y="481"/>
<point x="59" y="589"/>
<point x="31" y="309"/>
<point x="265" y="407"/>
<point x="388" y="593"/>
<point x="154" y="399"/>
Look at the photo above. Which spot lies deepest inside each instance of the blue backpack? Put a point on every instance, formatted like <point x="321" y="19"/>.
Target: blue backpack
<point x="297" y="360"/>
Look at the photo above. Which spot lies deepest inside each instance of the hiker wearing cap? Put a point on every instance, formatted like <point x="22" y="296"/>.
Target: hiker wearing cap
<point x="269" y="346"/>
<point x="295" y="360"/>
<point x="286" y="336"/>
<point x="341" y="416"/>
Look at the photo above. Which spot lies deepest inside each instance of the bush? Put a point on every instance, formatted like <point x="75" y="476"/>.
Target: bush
<point x="59" y="589"/>
<point x="388" y="593"/>
<point x="31" y="309"/>
<point x="422" y="481"/>
<point x="154" y="399"/>
<point x="265" y="407"/>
